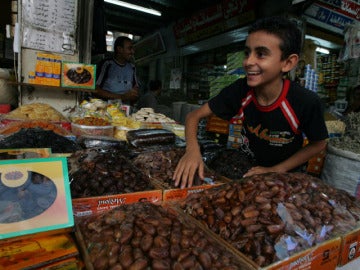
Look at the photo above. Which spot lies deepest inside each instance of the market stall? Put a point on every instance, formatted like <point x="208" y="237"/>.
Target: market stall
<point x="86" y="183"/>
<point x="266" y="221"/>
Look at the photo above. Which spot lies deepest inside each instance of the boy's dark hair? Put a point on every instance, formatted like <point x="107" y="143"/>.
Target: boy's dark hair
<point x="120" y="42"/>
<point x="284" y="29"/>
<point x="154" y="85"/>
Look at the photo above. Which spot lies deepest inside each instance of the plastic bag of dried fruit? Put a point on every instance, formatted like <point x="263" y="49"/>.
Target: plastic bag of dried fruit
<point x="36" y="111"/>
<point x="15" y="126"/>
<point x="98" y="172"/>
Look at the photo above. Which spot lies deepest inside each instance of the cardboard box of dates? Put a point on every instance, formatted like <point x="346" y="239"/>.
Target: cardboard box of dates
<point x="280" y="221"/>
<point x="102" y="179"/>
<point x="152" y="236"/>
<point x="159" y="164"/>
<point x="92" y="205"/>
<point x="35" y="197"/>
<point x="170" y="192"/>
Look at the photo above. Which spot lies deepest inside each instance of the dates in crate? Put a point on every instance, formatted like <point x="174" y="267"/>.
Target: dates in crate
<point x="147" y="236"/>
<point x="231" y="163"/>
<point x="96" y="172"/>
<point x="256" y="215"/>
<point x="161" y="165"/>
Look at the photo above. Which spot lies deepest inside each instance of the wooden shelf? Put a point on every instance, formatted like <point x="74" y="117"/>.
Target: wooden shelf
<point x="52" y="87"/>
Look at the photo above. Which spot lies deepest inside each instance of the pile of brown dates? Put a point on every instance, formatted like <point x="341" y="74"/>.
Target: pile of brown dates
<point x="147" y="236"/>
<point x="159" y="164"/>
<point x="231" y="163"/>
<point x="259" y="212"/>
<point x="96" y="172"/>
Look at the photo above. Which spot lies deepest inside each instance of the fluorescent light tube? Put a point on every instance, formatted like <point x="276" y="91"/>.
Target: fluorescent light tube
<point x="136" y="7"/>
<point x="294" y="2"/>
<point x="322" y="50"/>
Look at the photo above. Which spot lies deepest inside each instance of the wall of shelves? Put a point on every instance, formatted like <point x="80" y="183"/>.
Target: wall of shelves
<point x="203" y="69"/>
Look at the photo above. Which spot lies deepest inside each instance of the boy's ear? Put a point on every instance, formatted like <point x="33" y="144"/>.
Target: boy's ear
<point x="290" y="62"/>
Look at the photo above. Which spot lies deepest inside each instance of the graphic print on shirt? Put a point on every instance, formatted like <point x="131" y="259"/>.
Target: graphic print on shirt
<point x="274" y="138"/>
<point x="244" y="141"/>
<point x="279" y="115"/>
<point x="242" y="138"/>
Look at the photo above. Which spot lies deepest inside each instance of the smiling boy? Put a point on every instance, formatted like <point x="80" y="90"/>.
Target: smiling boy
<point x="276" y="113"/>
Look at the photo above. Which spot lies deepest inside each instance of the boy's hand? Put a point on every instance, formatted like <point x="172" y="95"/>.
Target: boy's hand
<point x="258" y="170"/>
<point x="189" y="164"/>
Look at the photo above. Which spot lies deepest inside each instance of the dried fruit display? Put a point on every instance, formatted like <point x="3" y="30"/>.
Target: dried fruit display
<point x="352" y="122"/>
<point x="349" y="141"/>
<point x="148" y="115"/>
<point x="96" y="172"/>
<point x="231" y="163"/>
<point x="148" y="236"/>
<point x="92" y="121"/>
<point x="39" y="138"/>
<point x="270" y="217"/>
<point x="148" y="137"/>
<point x="16" y="126"/>
<point x="90" y="141"/>
<point x="161" y="164"/>
<point x="36" y="111"/>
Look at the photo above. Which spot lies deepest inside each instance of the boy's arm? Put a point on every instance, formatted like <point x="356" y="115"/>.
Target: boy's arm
<point x="300" y="157"/>
<point x="191" y="162"/>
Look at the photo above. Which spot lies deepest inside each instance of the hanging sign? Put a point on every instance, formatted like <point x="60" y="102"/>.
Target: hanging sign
<point x="49" y="25"/>
<point x="350" y="8"/>
<point x="214" y="20"/>
<point x="325" y="17"/>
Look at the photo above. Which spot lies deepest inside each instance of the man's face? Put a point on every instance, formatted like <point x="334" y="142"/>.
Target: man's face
<point x="126" y="52"/>
<point x="262" y="61"/>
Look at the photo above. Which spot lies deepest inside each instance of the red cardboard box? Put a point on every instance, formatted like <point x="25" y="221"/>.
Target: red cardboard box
<point x="180" y="193"/>
<point x="350" y="247"/>
<point x="93" y="205"/>
<point x="323" y="256"/>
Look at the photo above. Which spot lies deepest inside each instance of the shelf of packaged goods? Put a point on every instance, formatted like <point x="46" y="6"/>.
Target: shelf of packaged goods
<point x="52" y="87"/>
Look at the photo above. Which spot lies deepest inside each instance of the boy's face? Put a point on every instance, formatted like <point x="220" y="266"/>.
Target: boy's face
<point x="262" y="63"/>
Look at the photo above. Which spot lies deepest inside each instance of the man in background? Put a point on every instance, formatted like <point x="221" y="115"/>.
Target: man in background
<point x="149" y="99"/>
<point x="116" y="77"/>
